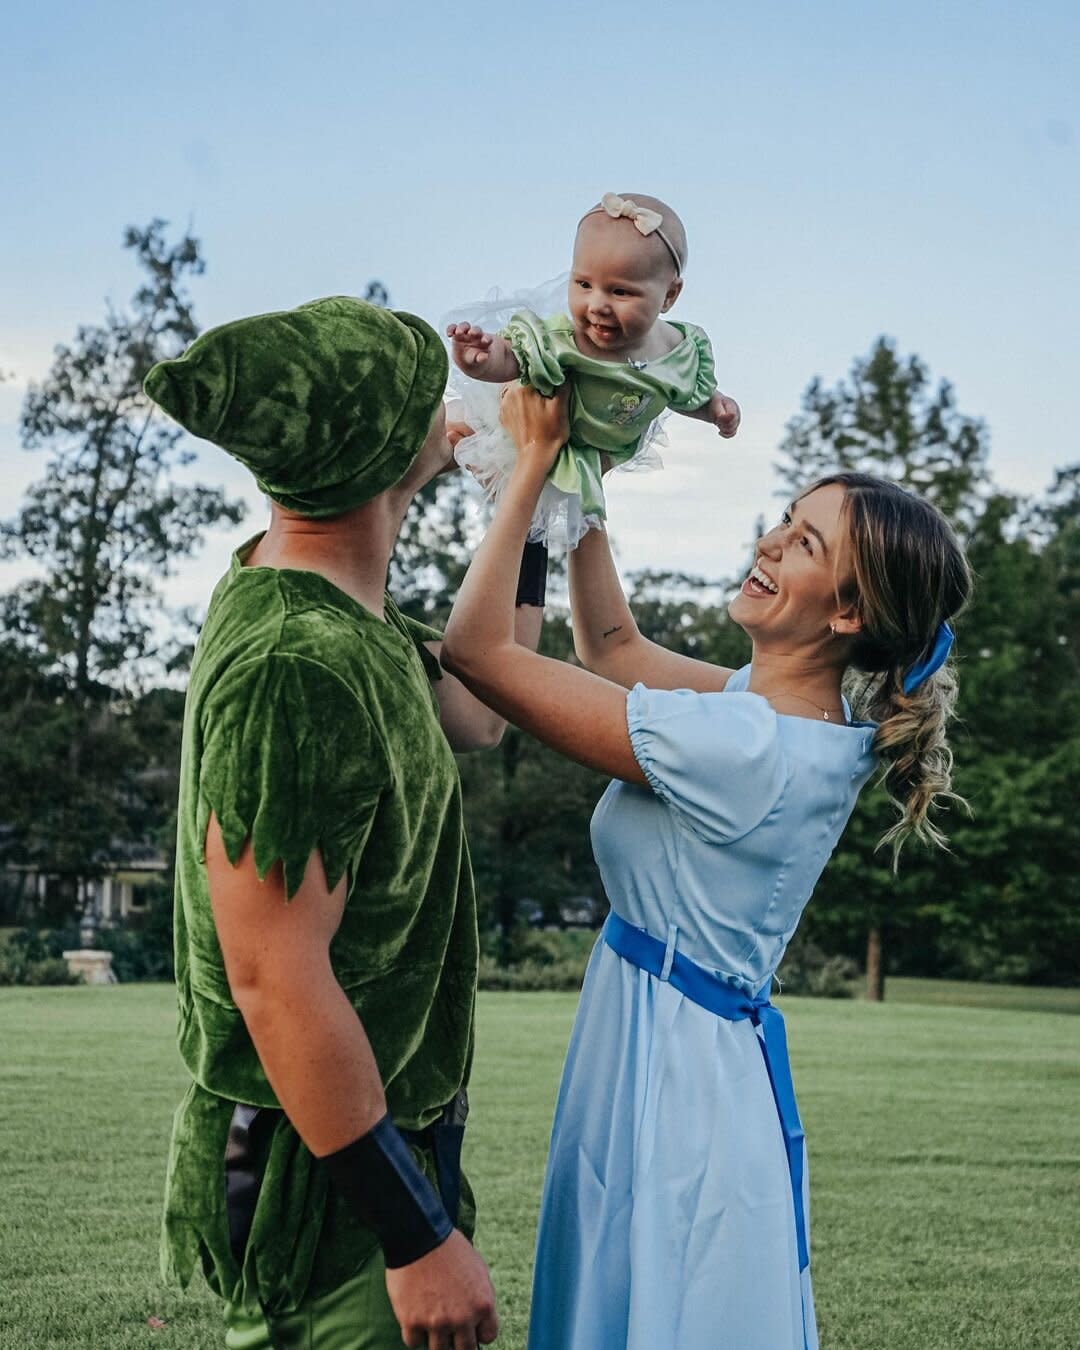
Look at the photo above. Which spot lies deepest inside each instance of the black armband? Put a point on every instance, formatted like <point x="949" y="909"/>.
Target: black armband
<point x="532" y="578"/>
<point x="379" y="1178"/>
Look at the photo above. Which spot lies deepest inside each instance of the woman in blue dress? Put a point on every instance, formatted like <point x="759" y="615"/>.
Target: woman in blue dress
<point x="675" y="1206"/>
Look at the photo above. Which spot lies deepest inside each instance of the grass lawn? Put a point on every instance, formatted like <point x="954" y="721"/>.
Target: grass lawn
<point x="964" y="994"/>
<point x="944" y="1153"/>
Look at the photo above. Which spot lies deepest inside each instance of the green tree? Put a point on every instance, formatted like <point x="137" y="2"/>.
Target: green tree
<point x="688" y="614"/>
<point x="1018" y="741"/>
<point x="1003" y="902"/>
<point x="439" y="535"/>
<point x="58" y="814"/>
<point x="107" y="521"/>
<point x="886" y="418"/>
<point x="527" y="813"/>
<point x="103" y="526"/>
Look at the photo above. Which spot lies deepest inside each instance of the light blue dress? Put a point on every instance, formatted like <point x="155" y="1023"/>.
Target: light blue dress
<point x="668" y="1218"/>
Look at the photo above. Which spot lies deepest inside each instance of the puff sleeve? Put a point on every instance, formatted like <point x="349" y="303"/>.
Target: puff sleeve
<point x="290" y="760"/>
<point x="701" y="379"/>
<point x="532" y="344"/>
<point x="714" y="759"/>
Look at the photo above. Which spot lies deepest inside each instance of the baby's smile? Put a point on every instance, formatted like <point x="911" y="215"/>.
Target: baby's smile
<point x="603" y="330"/>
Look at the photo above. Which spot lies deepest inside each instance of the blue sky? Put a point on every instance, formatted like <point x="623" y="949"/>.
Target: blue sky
<point x="843" y="169"/>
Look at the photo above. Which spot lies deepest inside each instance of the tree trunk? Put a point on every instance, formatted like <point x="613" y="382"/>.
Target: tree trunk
<point x="875" y="966"/>
<point x="504" y="910"/>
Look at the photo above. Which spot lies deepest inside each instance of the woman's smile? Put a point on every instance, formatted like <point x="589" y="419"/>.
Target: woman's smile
<point x="758" y="584"/>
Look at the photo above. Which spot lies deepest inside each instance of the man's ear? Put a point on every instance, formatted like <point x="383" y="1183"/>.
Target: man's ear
<point x="673" y="293"/>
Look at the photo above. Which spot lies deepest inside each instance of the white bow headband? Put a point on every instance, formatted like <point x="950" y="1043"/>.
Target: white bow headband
<point x="646" y="222"/>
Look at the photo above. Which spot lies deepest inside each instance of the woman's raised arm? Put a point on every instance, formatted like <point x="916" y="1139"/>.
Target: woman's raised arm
<point x="575" y="712"/>
<point x="608" y="641"/>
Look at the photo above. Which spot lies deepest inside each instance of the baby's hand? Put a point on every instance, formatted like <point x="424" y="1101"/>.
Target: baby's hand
<point x="472" y="346"/>
<point x="724" y="414"/>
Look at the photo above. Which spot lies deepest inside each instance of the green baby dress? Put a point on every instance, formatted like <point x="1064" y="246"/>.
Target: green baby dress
<point x="612" y="404"/>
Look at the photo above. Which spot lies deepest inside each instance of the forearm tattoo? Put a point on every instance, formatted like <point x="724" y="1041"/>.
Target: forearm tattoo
<point x="616" y="629"/>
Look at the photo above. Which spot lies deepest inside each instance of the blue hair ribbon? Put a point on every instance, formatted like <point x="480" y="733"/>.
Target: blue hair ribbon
<point x="943" y="641"/>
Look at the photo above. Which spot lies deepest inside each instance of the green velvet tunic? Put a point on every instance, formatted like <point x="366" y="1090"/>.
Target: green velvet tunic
<point x="311" y="724"/>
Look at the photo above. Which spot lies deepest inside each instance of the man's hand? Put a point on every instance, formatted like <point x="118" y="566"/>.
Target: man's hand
<point x="724" y="414"/>
<point x="457" y="431"/>
<point x="471" y="345"/>
<point x="445" y="1300"/>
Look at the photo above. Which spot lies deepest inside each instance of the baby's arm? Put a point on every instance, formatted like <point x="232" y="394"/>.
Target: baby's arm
<point x="484" y="356"/>
<point x="721" y="411"/>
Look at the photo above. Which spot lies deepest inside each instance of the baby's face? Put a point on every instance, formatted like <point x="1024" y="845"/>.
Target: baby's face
<point x="620" y="283"/>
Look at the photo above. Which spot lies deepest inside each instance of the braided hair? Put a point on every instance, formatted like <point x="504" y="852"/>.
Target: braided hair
<point x="909" y="575"/>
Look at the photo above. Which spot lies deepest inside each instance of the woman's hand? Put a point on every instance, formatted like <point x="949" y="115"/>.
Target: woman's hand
<point x="538" y="426"/>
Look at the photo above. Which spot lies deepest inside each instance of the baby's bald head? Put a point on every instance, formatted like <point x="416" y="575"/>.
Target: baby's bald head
<point x="671" y="227"/>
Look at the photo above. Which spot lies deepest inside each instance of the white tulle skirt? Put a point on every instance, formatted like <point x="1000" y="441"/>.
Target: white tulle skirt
<point x="489" y="454"/>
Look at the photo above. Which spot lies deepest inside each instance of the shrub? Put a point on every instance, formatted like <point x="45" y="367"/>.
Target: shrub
<point x="53" y="970"/>
<point x="141" y="949"/>
<point x="134" y="957"/>
<point x="807" y="969"/>
<point x="532" y="975"/>
<point x="31" y="957"/>
<point x="538" y="959"/>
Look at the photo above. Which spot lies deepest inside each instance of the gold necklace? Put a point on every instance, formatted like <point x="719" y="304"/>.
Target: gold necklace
<point x="823" y="711"/>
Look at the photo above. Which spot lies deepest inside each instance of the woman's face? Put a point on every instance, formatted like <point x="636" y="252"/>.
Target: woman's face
<point x="790" y="596"/>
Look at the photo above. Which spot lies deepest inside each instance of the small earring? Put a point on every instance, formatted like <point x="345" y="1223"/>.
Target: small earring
<point x="832" y="629"/>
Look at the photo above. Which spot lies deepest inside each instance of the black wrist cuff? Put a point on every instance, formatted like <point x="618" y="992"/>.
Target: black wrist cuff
<point x="532" y="578"/>
<point x="379" y="1178"/>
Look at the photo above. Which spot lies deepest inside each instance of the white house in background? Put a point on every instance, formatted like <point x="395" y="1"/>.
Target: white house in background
<point x="120" y="894"/>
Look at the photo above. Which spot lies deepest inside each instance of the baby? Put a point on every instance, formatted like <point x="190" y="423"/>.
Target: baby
<point x="626" y="363"/>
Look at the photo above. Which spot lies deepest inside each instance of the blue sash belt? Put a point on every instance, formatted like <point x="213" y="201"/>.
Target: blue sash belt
<point x="710" y="992"/>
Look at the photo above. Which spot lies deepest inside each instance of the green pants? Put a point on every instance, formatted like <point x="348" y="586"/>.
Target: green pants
<point x="355" y="1316"/>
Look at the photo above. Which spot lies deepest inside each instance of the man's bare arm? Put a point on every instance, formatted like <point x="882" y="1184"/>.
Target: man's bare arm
<point x="277" y="958"/>
<point x="320" y="1064"/>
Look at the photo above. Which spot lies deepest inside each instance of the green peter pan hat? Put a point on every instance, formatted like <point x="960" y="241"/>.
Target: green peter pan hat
<point x="326" y="404"/>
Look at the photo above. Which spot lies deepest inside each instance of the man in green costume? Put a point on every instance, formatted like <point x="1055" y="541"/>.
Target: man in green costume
<point x="326" y="945"/>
